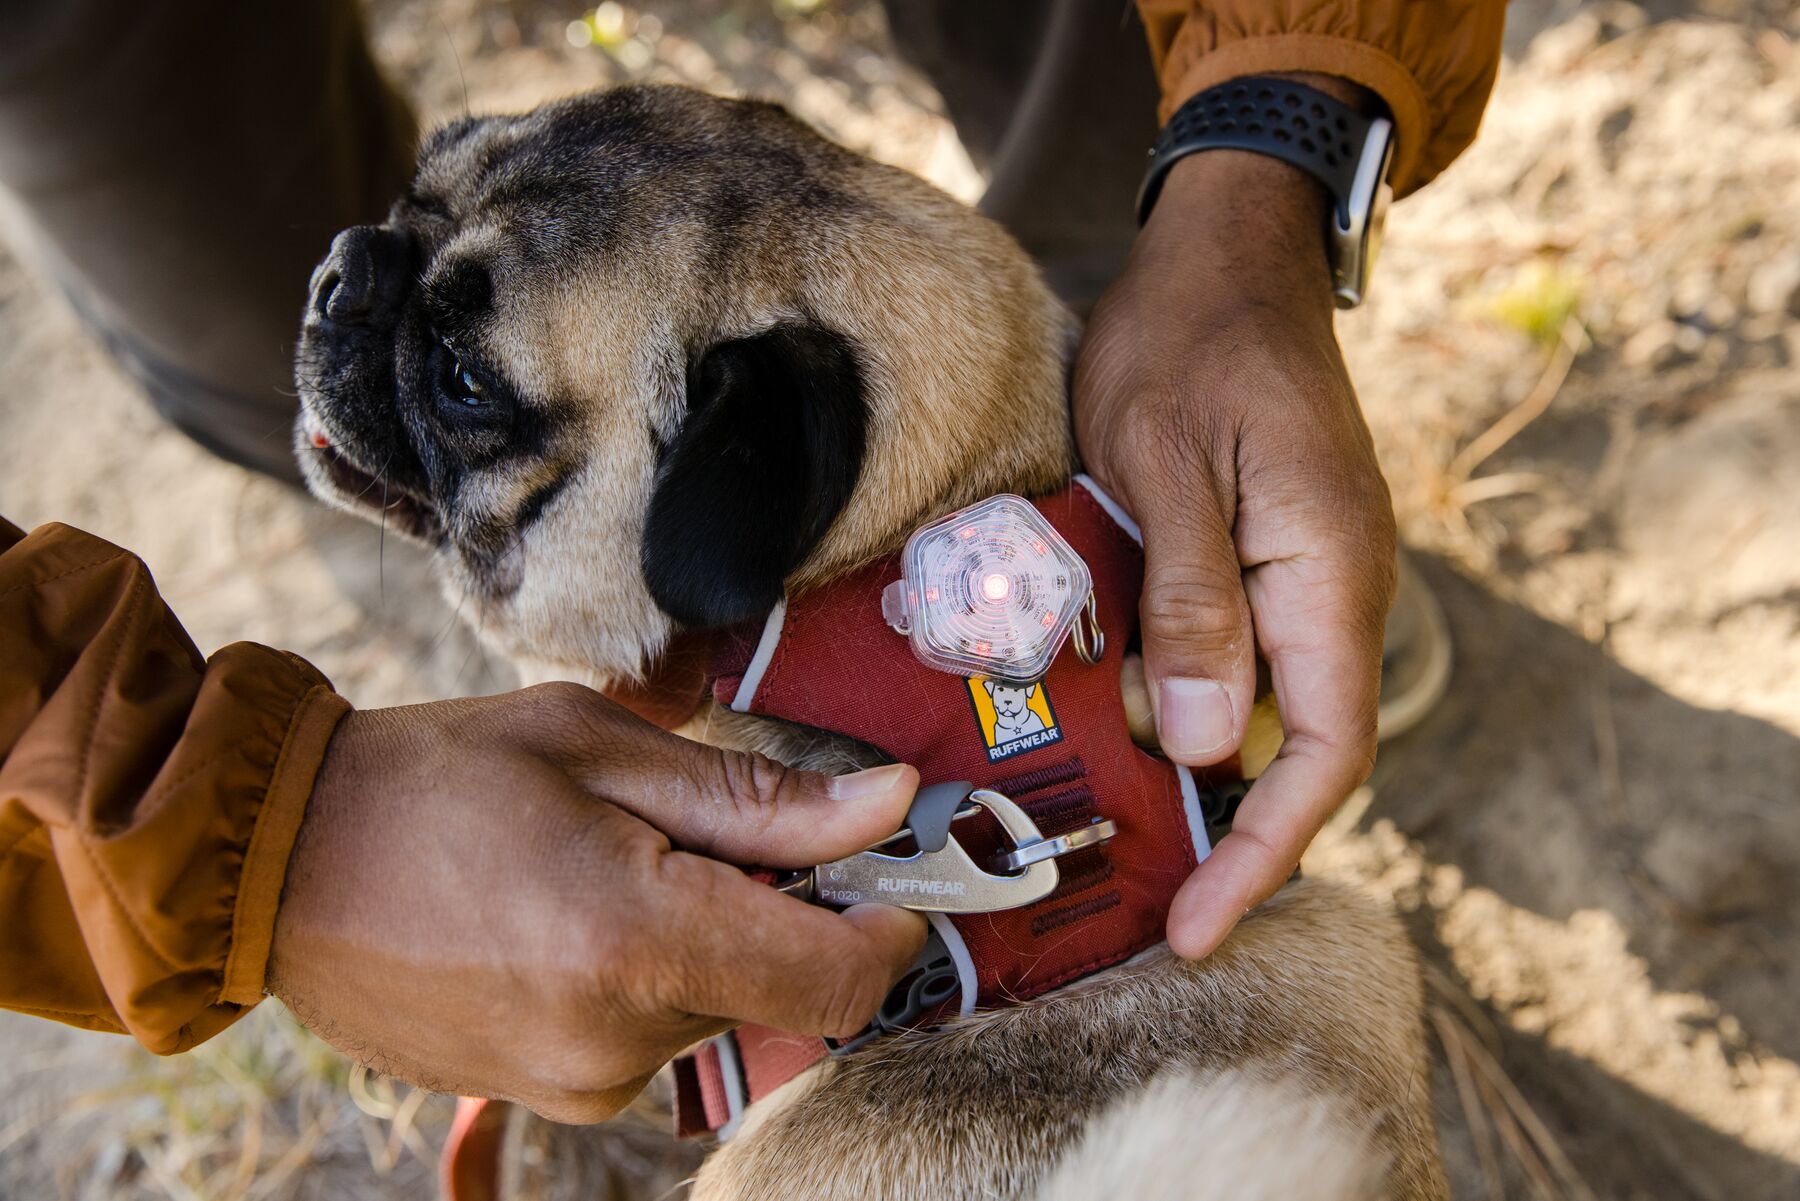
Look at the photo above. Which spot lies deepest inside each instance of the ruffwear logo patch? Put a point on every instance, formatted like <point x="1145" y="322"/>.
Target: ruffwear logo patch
<point x="1014" y="718"/>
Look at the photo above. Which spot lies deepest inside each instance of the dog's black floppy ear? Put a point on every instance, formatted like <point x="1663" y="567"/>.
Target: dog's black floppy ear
<point x="768" y="455"/>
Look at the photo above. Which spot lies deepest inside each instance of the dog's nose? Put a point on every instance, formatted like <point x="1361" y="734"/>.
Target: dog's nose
<point x="364" y="278"/>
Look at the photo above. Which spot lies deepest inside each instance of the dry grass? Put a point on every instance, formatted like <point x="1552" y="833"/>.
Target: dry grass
<point x="1492" y="1103"/>
<point x="265" y="1112"/>
<point x="1450" y="489"/>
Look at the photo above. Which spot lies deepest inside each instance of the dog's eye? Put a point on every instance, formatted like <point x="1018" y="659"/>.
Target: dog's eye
<point x="464" y="389"/>
<point x="467" y="388"/>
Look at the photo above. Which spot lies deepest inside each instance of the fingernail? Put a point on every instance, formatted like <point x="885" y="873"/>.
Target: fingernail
<point x="860" y="786"/>
<point x="1194" y="717"/>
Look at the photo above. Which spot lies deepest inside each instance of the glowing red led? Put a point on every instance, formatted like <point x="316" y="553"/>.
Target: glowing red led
<point x="993" y="591"/>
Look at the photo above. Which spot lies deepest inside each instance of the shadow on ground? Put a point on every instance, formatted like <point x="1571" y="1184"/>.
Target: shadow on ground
<point x="1613" y="877"/>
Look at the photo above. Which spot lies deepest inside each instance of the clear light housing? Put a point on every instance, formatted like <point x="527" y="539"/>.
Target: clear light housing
<point x="990" y="590"/>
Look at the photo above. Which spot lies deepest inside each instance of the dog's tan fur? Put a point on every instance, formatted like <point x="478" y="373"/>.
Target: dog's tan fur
<point x="1318" y="990"/>
<point x="1276" y="1143"/>
<point x="965" y="352"/>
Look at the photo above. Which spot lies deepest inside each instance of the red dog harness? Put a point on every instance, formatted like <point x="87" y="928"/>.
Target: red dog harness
<point x="1061" y="749"/>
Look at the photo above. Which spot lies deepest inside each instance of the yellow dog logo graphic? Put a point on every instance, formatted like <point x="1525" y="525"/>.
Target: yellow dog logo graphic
<point x="1014" y="718"/>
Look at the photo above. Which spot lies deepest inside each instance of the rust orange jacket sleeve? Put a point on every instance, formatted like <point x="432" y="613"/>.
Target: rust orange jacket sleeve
<point x="148" y="797"/>
<point x="1431" y="61"/>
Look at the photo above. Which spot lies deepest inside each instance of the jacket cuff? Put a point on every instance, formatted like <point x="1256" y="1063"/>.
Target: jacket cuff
<point x="1321" y="54"/>
<point x="272" y="842"/>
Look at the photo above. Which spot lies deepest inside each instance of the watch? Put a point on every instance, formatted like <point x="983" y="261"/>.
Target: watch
<point x="1344" y="150"/>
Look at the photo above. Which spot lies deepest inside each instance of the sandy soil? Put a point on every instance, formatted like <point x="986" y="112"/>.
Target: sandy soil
<point x="1597" y="836"/>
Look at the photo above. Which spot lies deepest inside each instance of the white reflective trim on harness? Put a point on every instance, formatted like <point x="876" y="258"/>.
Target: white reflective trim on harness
<point x="731" y="1074"/>
<point x="959" y="955"/>
<point x="1190" y="807"/>
<point x="1112" y="507"/>
<point x="759" y="662"/>
<point x="1190" y="795"/>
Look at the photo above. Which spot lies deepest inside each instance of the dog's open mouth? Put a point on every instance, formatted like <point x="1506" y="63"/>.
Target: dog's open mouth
<point x="355" y="488"/>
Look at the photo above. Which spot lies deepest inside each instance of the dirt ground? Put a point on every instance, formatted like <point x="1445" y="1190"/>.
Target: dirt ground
<point x="1581" y="361"/>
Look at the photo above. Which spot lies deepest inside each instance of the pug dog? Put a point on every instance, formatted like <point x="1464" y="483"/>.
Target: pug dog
<point x="643" y="362"/>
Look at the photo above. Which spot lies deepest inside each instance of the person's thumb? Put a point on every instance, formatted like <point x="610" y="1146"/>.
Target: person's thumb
<point x="736" y="805"/>
<point x="745" y="808"/>
<point x="1199" y="648"/>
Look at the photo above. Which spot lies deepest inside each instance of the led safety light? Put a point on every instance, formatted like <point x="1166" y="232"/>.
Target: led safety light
<point x="990" y="590"/>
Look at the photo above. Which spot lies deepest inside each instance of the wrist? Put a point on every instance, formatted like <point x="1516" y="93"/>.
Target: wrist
<point x="1233" y="230"/>
<point x="1248" y="220"/>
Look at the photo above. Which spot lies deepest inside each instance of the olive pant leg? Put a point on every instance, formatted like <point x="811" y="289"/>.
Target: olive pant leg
<point x="178" y="166"/>
<point x="1057" y="101"/>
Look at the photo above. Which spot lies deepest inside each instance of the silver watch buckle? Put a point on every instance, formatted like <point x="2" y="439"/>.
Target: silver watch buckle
<point x="1356" y="227"/>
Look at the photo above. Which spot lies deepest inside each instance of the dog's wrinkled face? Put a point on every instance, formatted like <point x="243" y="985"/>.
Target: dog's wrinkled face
<point x="636" y="360"/>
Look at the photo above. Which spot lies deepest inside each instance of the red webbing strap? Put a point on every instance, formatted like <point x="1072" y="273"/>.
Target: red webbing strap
<point x="469" y="1168"/>
<point x="765" y="1059"/>
<point x="702" y="1102"/>
<point x="772" y="1057"/>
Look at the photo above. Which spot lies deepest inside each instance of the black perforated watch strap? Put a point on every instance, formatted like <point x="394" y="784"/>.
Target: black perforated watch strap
<point x="1288" y="121"/>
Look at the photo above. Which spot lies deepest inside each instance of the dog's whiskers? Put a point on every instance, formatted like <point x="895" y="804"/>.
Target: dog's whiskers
<point x="381" y="543"/>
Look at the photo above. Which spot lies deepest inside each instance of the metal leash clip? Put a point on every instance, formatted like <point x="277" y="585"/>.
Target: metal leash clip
<point x="940" y="876"/>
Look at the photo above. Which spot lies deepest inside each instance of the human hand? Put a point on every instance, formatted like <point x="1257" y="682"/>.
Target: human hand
<point x="1211" y="398"/>
<point x="512" y="897"/>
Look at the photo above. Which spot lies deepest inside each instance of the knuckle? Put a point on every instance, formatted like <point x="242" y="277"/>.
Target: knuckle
<point x="562" y="696"/>
<point x="670" y="965"/>
<point x="1359" y="754"/>
<point x="1194" y="604"/>
<point x="1357" y="562"/>
<point x="754" y="785"/>
<point x="563" y="714"/>
<point x="852" y="999"/>
<point x="1275" y="864"/>
<point x="1366" y="508"/>
<point x="593" y="1045"/>
<point x="1347" y="755"/>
